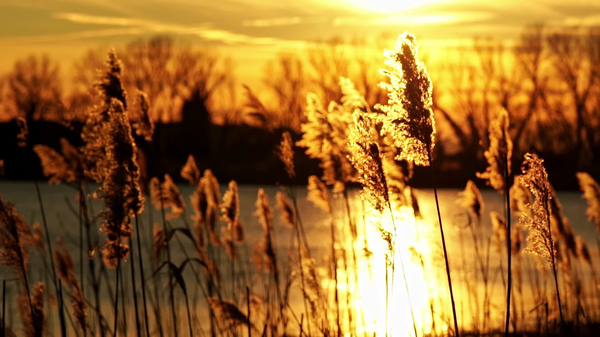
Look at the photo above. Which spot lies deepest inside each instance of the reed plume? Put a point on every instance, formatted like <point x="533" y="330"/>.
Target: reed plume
<point x="158" y="242"/>
<point x="325" y="134"/>
<point x="408" y="117"/>
<point x="23" y="134"/>
<point x="517" y="241"/>
<point x="497" y="175"/>
<point x="228" y="312"/>
<point x="120" y="184"/>
<point x="61" y="168"/>
<point x="470" y="198"/>
<point x="205" y="201"/>
<point x="143" y="124"/>
<point x="15" y="239"/>
<point x="582" y="250"/>
<point x="230" y="212"/>
<point x="167" y="195"/>
<point x="398" y="175"/>
<point x="265" y="258"/>
<point x="367" y="159"/>
<point x="539" y="240"/>
<point x="54" y="166"/>
<point x="32" y="311"/>
<point x="64" y="263"/>
<point x="591" y="194"/>
<point x="65" y="270"/>
<point x="318" y="194"/>
<point x="109" y="87"/>
<point x="520" y="198"/>
<point x="37" y="236"/>
<point x="499" y="230"/>
<point x="190" y="171"/>
<point x="285" y="152"/>
<point x="499" y="154"/>
<point x="287" y="210"/>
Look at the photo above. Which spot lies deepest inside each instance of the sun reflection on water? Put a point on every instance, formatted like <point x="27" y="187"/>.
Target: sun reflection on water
<point x="414" y="249"/>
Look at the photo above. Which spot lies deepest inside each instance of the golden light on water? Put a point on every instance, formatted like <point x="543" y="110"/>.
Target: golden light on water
<point x="369" y="295"/>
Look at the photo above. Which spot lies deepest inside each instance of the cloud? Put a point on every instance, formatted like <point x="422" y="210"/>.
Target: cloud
<point x="586" y="21"/>
<point x="102" y="20"/>
<point x="287" y="21"/>
<point x="144" y="26"/>
<point x="430" y="19"/>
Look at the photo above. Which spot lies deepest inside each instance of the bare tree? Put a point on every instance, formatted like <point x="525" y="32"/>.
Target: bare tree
<point x="34" y="89"/>
<point x="286" y="79"/>
<point x="571" y="60"/>
<point x="169" y="74"/>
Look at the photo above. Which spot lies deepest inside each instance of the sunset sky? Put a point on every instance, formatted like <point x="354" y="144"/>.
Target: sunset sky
<point x="250" y="31"/>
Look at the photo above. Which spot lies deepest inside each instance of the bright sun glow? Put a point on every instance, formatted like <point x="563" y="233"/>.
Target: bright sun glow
<point x="372" y="280"/>
<point x="388" y="6"/>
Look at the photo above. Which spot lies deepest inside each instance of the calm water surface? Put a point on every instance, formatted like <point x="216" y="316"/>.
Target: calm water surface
<point x="417" y="239"/>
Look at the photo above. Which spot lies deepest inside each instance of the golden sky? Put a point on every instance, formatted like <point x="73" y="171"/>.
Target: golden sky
<point x="251" y="30"/>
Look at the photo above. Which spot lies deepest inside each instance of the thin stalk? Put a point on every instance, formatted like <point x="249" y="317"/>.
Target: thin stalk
<point x="82" y="282"/>
<point x="437" y="204"/>
<point x="189" y="315"/>
<point x="143" y="279"/>
<point x="134" y="291"/>
<point x="157" y="295"/>
<point x="49" y="243"/>
<point x="508" y="245"/>
<point x="335" y="277"/>
<point x="3" y="321"/>
<point x="171" y="295"/>
<point x="562" y="324"/>
<point x="62" y="308"/>
<point x="412" y="313"/>
<point x="117" y="281"/>
<point x="248" y="308"/>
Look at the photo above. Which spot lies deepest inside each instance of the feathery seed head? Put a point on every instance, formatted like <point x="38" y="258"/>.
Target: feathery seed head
<point x="318" y="194"/>
<point x="367" y="159"/>
<point x="15" y="239"/>
<point x="287" y="210"/>
<point x="34" y="321"/>
<point x="591" y="194"/>
<point x="408" y="117"/>
<point x="230" y="212"/>
<point x="109" y="84"/>
<point x="499" y="226"/>
<point x="144" y="126"/>
<point x="520" y="197"/>
<point x="54" y="165"/>
<point x="499" y="154"/>
<point x="190" y="171"/>
<point x="285" y="152"/>
<point x="228" y="312"/>
<point x="324" y="135"/>
<point x="539" y="239"/>
<point x="582" y="250"/>
<point x="167" y="195"/>
<point x="471" y="199"/>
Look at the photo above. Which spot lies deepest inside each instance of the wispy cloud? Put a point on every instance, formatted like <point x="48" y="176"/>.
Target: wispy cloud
<point x="431" y="19"/>
<point x="102" y="20"/>
<point x="592" y="20"/>
<point x="139" y="26"/>
<point x="287" y="21"/>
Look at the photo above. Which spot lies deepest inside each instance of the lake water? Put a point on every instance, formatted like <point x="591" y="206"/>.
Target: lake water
<point x="364" y="292"/>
